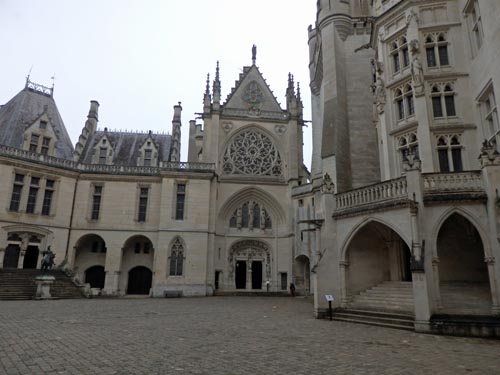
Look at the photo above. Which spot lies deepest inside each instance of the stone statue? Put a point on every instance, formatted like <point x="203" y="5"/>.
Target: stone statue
<point x="262" y="218"/>
<point x="238" y="218"/>
<point x="417" y="74"/>
<point x="47" y="259"/>
<point x="380" y="95"/>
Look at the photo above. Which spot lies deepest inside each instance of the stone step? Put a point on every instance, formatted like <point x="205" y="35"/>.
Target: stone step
<point x="376" y="318"/>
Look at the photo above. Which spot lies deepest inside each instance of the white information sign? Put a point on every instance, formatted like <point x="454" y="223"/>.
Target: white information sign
<point x="329" y="297"/>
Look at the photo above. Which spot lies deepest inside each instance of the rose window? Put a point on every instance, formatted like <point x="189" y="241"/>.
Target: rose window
<point x="252" y="153"/>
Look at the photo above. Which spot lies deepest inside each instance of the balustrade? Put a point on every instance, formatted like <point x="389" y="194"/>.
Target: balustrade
<point x="457" y="181"/>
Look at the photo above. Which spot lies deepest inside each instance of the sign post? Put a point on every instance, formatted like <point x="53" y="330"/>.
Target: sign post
<point x="329" y="298"/>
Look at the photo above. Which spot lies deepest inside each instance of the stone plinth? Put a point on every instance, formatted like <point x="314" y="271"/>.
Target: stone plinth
<point x="43" y="284"/>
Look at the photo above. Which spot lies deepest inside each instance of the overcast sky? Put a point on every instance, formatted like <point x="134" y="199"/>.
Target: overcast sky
<point x="139" y="58"/>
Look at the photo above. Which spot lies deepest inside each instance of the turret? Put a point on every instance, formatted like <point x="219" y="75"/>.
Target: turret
<point x="175" y="150"/>
<point x="89" y="128"/>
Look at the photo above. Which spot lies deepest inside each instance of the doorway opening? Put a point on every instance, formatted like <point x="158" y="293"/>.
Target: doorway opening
<point x="139" y="280"/>
<point x="31" y="257"/>
<point x="11" y="257"/>
<point x="241" y="274"/>
<point x="256" y="275"/>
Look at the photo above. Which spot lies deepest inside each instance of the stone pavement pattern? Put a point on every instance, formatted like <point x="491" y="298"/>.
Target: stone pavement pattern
<point x="219" y="335"/>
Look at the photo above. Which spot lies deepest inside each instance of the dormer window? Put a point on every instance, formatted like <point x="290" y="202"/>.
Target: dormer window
<point x="103" y="141"/>
<point x="34" y="142"/>
<point x="43" y="124"/>
<point x="149" y="143"/>
<point x="148" y="154"/>
<point x="102" y="154"/>
<point x="45" y="146"/>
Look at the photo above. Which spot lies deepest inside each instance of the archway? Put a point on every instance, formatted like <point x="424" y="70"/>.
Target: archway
<point x="95" y="276"/>
<point x="139" y="280"/>
<point x="90" y="251"/>
<point x="249" y="264"/>
<point x="378" y="276"/>
<point x="137" y="256"/>
<point x="301" y="274"/>
<point x="463" y="274"/>
<point x="11" y="257"/>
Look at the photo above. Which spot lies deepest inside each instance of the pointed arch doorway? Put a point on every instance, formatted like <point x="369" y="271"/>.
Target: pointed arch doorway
<point x="463" y="274"/>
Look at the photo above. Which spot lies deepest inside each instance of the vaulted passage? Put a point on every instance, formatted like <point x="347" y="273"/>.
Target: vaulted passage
<point x="378" y="274"/>
<point x="463" y="273"/>
<point x="95" y="276"/>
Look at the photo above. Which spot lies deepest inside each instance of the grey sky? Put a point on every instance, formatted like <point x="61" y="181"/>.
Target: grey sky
<point x="139" y="58"/>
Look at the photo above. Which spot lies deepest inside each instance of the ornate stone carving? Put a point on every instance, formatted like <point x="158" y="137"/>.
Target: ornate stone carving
<point x="412" y="18"/>
<point x="328" y="186"/>
<point x="252" y="153"/>
<point x="489" y="154"/>
<point x="489" y="260"/>
<point x="280" y="129"/>
<point x="227" y="126"/>
<point x="380" y="95"/>
<point x="254" y="97"/>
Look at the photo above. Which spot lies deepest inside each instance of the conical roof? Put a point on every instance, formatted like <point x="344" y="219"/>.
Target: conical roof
<point x="24" y="109"/>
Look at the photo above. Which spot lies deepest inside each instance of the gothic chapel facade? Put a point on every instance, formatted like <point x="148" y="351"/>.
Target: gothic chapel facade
<point x="125" y="216"/>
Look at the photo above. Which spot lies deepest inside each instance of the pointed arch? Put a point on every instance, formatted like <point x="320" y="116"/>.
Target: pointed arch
<point x="364" y="222"/>
<point x="269" y="202"/>
<point x="467" y="215"/>
<point x="176" y="256"/>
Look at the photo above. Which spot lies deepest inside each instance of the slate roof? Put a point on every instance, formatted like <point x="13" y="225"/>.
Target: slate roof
<point x="22" y="110"/>
<point x="127" y="146"/>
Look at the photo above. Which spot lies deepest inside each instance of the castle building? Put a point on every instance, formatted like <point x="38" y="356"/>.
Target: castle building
<point x="402" y="214"/>
<point x="126" y="216"/>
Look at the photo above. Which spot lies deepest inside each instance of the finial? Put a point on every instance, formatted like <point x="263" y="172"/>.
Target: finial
<point x="217" y="70"/>
<point x="207" y="87"/>
<point x="298" y="91"/>
<point x="254" y="54"/>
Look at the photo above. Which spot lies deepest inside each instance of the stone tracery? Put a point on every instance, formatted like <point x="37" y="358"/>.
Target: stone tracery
<point x="252" y="153"/>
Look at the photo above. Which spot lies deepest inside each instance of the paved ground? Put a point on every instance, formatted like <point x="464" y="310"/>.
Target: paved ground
<point x="219" y="335"/>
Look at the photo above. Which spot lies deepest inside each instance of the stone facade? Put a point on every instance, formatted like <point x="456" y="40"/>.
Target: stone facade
<point x="411" y="203"/>
<point x="125" y="216"/>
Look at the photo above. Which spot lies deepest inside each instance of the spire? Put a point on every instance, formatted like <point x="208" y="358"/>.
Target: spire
<point x="207" y="99"/>
<point x="216" y="86"/>
<point x="254" y="54"/>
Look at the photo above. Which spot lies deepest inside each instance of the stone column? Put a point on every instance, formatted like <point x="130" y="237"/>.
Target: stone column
<point x="344" y="268"/>
<point x="437" y="290"/>
<point x="495" y="306"/>
<point x="248" y="285"/>
<point x="490" y="164"/>
<point x="111" y="283"/>
<point x="2" y="254"/>
<point x="113" y="271"/>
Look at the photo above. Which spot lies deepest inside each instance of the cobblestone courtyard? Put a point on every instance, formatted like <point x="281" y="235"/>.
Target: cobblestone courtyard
<point x="219" y="335"/>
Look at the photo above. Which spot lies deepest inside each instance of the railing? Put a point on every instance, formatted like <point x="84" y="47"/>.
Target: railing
<point x="457" y="181"/>
<point x="104" y="168"/>
<point x="384" y="191"/>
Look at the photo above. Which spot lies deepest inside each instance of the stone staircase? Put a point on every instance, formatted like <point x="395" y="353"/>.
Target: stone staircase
<point x="375" y="318"/>
<point x="389" y="296"/>
<point x="465" y="298"/>
<point x="221" y="293"/>
<point x="389" y="304"/>
<point x="16" y="284"/>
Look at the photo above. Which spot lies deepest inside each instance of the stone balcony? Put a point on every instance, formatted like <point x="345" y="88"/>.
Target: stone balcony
<point x="71" y="165"/>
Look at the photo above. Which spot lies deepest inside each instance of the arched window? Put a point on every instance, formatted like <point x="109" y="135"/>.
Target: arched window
<point x="252" y="153"/>
<point x="405" y="105"/>
<point x="436" y="50"/>
<point x="449" y="149"/>
<point x="400" y="55"/>
<point x="443" y="100"/>
<point x="408" y="145"/>
<point x="176" y="258"/>
<point x="250" y="215"/>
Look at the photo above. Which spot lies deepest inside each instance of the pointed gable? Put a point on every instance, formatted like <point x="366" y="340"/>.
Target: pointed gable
<point x="251" y="94"/>
<point x="23" y="111"/>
